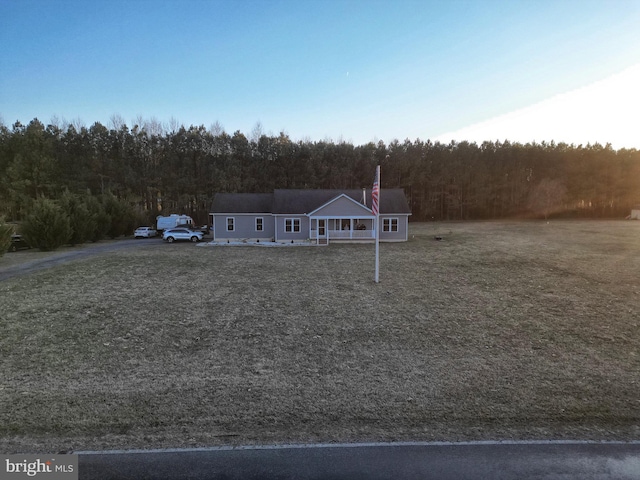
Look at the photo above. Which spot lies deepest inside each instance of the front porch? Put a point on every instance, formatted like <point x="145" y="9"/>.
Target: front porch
<point x="343" y="229"/>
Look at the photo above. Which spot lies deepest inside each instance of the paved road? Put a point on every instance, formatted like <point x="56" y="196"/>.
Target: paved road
<point x="58" y="258"/>
<point x="444" y="461"/>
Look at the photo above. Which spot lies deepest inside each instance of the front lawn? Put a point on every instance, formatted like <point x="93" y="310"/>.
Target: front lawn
<point x="500" y="330"/>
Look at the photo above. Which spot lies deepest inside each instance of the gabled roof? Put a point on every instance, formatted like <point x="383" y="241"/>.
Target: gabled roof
<point x="392" y="200"/>
<point x="242" y="203"/>
<point x="350" y="205"/>
<point x="302" y="202"/>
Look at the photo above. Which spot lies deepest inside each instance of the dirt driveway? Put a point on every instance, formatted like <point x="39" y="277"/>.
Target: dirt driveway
<point x="29" y="261"/>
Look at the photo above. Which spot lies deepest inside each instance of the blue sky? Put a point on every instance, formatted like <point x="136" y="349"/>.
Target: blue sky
<point x="342" y="70"/>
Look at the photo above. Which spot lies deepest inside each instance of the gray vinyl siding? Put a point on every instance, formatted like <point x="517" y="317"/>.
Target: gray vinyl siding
<point x="301" y="204"/>
<point x="303" y="234"/>
<point x="401" y="234"/>
<point x="245" y="226"/>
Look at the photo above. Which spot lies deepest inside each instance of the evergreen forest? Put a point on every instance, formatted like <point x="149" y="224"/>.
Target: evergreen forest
<point x="161" y="170"/>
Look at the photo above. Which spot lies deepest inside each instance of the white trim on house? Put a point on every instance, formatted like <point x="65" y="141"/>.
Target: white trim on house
<point x="293" y="225"/>
<point x="344" y="220"/>
<point x="342" y="195"/>
<point x="343" y="228"/>
<point x="356" y="224"/>
<point x="388" y="224"/>
<point x="284" y="217"/>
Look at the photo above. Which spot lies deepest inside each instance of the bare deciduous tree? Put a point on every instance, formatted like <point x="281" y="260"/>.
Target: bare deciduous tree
<point x="116" y="122"/>
<point x="216" y="129"/>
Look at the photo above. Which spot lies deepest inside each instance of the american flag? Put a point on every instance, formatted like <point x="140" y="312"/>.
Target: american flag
<point x="375" y="192"/>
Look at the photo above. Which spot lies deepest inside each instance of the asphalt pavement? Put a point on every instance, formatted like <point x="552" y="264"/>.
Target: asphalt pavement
<point x="424" y="461"/>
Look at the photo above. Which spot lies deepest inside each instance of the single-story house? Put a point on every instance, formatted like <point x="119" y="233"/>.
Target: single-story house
<point x="309" y="215"/>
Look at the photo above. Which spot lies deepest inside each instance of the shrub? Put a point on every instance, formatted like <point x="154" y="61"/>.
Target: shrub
<point x="121" y="214"/>
<point x="82" y="221"/>
<point x="47" y="227"/>
<point x="101" y="221"/>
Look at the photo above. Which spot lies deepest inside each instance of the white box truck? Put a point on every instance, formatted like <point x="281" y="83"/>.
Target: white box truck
<point x="172" y="221"/>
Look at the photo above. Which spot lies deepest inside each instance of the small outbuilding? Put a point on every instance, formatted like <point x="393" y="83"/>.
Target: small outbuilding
<point x="309" y="215"/>
<point x="635" y="213"/>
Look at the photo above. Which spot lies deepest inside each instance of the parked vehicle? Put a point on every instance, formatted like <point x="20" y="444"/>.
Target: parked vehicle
<point x="145" y="232"/>
<point x="18" y="243"/>
<point x="175" y="234"/>
<point x="173" y="221"/>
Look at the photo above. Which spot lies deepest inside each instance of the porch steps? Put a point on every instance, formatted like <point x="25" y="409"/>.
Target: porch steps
<point x="323" y="241"/>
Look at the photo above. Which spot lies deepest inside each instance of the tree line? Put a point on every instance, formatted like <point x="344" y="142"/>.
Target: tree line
<point x="160" y="170"/>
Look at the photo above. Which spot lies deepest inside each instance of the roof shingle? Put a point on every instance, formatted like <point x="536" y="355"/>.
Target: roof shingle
<point x="242" y="203"/>
<point x="392" y="201"/>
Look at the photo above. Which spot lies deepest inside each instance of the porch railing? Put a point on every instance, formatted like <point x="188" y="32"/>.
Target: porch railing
<point x="346" y="234"/>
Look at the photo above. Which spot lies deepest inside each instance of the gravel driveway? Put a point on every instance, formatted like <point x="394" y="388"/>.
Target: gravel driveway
<point x="57" y="258"/>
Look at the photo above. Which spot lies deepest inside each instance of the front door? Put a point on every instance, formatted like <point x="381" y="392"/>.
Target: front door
<point x="322" y="228"/>
<point x="323" y="238"/>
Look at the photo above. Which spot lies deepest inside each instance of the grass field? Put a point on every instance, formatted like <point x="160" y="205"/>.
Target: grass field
<point x="522" y="330"/>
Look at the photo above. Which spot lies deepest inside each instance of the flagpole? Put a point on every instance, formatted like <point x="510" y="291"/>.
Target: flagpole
<point x="377" y="276"/>
<point x="377" y="249"/>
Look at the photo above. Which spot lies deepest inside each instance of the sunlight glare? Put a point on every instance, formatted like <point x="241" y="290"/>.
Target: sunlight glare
<point x="603" y="112"/>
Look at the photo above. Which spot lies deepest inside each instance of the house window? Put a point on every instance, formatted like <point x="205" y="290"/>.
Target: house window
<point x="231" y="224"/>
<point x="389" y="224"/>
<point x="291" y="225"/>
<point x="259" y="224"/>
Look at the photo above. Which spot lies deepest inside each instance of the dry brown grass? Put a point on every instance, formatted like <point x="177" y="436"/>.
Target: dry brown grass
<point x="501" y="330"/>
